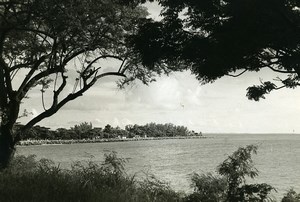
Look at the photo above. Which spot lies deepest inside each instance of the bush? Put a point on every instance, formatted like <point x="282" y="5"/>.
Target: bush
<point x="291" y="196"/>
<point x="208" y="188"/>
<point x="152" y="189"/>
<point x="231" y="185"/>
<point x="27" y="179"/>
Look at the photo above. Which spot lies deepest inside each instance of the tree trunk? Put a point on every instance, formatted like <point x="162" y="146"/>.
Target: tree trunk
<point x="7" y="146"/>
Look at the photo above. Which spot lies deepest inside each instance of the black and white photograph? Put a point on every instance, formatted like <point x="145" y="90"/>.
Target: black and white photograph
<point x="150" y="100"/>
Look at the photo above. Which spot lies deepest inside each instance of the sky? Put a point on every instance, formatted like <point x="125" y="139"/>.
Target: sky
<point x="220" y="107"/>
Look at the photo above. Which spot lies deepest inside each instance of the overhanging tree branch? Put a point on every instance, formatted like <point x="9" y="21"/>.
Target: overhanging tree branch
<point x="102" y="57"/>
<point x="121" y="66"/>
<point x="281" y="71"/>
<point x="31" y="72"/>
<point x="35" y="31"/>
<point x="18" y="66"/>
<point x="43" y="38"/>
<point x="237" y="75"/>
<point x="110" y="74"/>
<point x="72" y="96"/>
<point x="26" y="87"/>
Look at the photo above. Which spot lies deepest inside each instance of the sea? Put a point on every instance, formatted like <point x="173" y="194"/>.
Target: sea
<point x="174" y="160"/>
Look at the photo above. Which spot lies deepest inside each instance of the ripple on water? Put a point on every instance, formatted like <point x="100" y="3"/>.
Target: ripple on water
<point x="278" y="158"/>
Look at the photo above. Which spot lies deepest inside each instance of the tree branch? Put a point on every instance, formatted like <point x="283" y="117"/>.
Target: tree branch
<point x="18" y="66"/>
<point x="43" y="100"/>
<point x="121" y="66"/>
<point x="25" y="88"/>
<point x="72" y="56"/>
<point x="281" y="71"/>
<point x="31" y="72"/>
<point x="36" y="31"/>
<point x="57" y="105"/>
<point x="3" y="91"/>
<point x="47" y="113"/>
<point x="238" y="74"/>
<point x="103" y="57"/>
<point x="278" y="88"/>
<point x="110" y="74"/>
<point x="6" y="75"/>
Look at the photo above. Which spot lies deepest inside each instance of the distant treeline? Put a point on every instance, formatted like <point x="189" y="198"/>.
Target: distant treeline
<point x="87" y="131"/>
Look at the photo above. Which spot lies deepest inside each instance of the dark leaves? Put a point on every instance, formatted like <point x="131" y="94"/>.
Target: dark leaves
<point x="149" y="42"/>
<point x="217" y="38"/>
<point x="257" y="92"/>
<point x="231" y="186"/>
<point x="291" y="82"/>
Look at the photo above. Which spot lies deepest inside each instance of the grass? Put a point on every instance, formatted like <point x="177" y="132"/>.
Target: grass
<point x="30" y="180"/>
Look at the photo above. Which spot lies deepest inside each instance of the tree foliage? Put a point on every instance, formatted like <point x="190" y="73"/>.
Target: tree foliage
<point x="218" y="38"/>
<point x="208" y="188"/>
<point x="42" y="44"/>
<point x="231" y="185"/>
<point x="87" y="131"/>
<point x="291" y="196"/>
<point x="85" y="181"/>
<point x="235" y="169"/>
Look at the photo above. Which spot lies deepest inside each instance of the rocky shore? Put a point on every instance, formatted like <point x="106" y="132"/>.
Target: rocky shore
<point x="73" y="141"/>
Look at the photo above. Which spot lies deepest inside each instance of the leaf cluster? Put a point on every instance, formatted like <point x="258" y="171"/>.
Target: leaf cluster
<point x="291" y="196"/>
<point x="217" y="38"/>
<point x="258" y="91"/>
<point x="231" y="184"/>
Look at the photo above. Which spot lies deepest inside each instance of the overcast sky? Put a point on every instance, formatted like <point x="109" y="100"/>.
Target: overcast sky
<point x="181" y="99"/>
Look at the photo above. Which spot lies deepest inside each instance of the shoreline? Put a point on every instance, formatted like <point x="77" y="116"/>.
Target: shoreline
<point x="103" y="140"/>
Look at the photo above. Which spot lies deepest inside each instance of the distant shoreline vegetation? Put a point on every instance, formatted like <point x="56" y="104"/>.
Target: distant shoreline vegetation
<point x="86" y="133"/>
<point x="52" y="142"/>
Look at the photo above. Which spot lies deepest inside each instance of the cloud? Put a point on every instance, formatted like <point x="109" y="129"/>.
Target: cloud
<point x="168" y="93"/>
<point x="180" y="99"/>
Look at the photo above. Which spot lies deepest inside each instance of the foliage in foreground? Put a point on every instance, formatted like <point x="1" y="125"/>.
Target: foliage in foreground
<point x="27" y="179"/>
<point x="231" y="184"/>
<point x="207" y="187"/>
<point x="291" y="196"/>
<point x="30" y="180"/>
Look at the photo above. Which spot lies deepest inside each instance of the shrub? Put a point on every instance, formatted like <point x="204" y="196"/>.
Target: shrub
<point x="27" y="179"/>
<point x="231" y="185"/>
<point x="152" y="189"/>
<point x="235" y="169"/>
<point x="291" y="196"/>
<point x="208" y="188"/>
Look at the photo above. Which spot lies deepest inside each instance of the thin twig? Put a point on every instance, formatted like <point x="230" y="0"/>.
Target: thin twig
<point x="43" y="101"/>
<point x="238" y="74"/>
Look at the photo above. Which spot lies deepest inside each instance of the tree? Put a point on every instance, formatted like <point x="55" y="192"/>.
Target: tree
<point x="38" y="132"/>
<point x="83" y="130"/>
<point x="63" y="133"/>
<point x="41" y="40"/>
<point x="231" y="184"/>
<point x="227" y="38"/>
<point x="208" y="188"/>
<point x="235" y="169"/>
<point x="291" y="196"/>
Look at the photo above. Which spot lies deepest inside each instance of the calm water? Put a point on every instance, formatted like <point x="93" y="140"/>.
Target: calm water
<point x="278" y="158"/>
